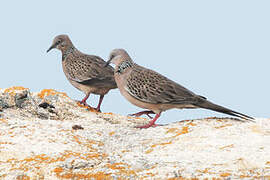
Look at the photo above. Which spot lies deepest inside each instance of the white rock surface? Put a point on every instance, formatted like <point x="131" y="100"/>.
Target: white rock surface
<point x="40" y="143"/>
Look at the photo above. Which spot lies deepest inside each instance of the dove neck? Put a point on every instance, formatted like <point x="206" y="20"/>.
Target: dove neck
<point x="123" y="66"/>
<point x="68" y="51"/>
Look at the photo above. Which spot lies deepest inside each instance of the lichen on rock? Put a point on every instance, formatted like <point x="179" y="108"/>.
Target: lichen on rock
<point x="47" y="135"/>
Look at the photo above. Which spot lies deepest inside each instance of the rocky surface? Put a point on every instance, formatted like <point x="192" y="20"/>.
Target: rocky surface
<point x="47" y="135"/>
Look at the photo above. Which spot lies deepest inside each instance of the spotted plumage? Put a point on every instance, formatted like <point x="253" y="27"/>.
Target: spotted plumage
<point x="123" y="66"/>
<point x="85" y="72"/>
<point x="150" y="90"/>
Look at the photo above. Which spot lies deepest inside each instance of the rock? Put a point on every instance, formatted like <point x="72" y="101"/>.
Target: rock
<point x="20" y="98"/>
<point x="47" y="135"/>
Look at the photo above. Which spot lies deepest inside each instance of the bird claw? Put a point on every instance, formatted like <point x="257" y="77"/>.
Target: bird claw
<point x="97" y="109"/>
<point x="83" y="103"/>
<point x="142" y="113"/>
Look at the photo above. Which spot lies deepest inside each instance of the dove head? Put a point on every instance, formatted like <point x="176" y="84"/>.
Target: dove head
<point x="61" y="42"/>
<point x="118" y="56"/>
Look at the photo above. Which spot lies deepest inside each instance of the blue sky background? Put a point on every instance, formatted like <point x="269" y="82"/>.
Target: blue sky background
<point x="218" y="49"/>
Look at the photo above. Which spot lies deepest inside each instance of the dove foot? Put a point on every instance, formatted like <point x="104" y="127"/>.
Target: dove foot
<point x="151" y="123"/>
<point x="142" y="113"/>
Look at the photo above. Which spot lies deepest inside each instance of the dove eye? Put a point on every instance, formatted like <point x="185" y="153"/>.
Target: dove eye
<point x="112" y="56"/>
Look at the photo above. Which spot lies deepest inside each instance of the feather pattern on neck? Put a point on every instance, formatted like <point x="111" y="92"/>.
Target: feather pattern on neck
<point x="67" y="52"/>
<point x="123" y="66"/>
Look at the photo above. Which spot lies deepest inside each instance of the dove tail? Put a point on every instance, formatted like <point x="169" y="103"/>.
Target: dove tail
<point x="209" y="105"/>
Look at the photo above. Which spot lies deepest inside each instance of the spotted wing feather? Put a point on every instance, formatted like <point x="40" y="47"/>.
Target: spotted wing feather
<point x="89" y="69"/>
<point x="149" y="86"/>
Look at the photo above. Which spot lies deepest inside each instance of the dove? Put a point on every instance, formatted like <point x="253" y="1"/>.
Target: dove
<point x="85" y="72"/>
<point x="154" y="92"/>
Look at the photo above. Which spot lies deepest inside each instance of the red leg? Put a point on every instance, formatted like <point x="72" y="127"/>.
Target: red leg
<point x="151" y="123"/>
<point x="99" y="103"/>
<point x="142" y="113"/>
<point x="83" y="101"/>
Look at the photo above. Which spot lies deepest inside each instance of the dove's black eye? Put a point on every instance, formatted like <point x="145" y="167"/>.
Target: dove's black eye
<point x="112" y="56"/>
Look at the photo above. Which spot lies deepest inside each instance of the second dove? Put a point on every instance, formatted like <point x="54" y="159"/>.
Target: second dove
<point x="150" y="90"/>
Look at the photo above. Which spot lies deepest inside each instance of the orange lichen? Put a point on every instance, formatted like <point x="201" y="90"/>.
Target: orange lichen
<point x="116" y="166"/>
<point x="50" y="92"/>
<point x="96" y="176"/>
<point x="244" y="176"/>
<point x="124" y="151"/>
<point x="111" y="133"/>
<point x="206" y="170"/>
<point x="184" y="130"/>
<point x="177" y="131"/>
<point x="108" y="113"/>
<point x="172" y="130"/>
<point x="87" y="107"/>
<point x="23" y="177"/>
<point x="122" y="168"/>
<point x="12" y="90"/>
<point x="149" y="151"/>
<point x="225" y="174"/>
<point x="6" y="143"/>
<point x="177" y="178"/>
<point x="161" y="144"/>
<point x="38" y="161"/>
<point x="58" y="170"/>
<point x="150" y="174"/>
<point x="191" y="124"/>
<point x="155" y="145"/>
<point x="3" y="120"/>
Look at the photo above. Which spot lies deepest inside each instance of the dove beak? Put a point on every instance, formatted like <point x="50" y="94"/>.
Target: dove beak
<point x="52" y="47"/>
<point x="108" y="62"/>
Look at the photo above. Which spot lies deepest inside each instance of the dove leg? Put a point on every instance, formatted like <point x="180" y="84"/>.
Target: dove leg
<point x="142" y="113"/>
<point x="83" y="101"/>
<point x="99" y="103"/>
<point x="151" y="123"/>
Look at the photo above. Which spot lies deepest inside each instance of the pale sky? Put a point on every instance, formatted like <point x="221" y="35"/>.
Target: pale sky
<point x="217" y="49"/>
